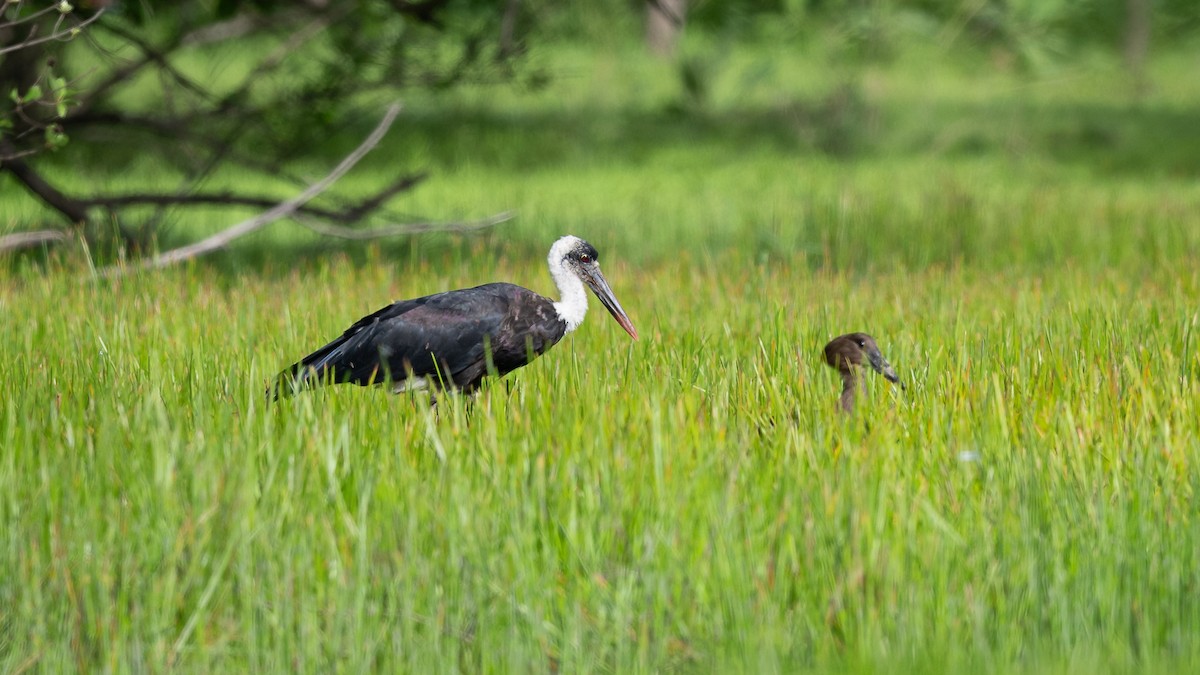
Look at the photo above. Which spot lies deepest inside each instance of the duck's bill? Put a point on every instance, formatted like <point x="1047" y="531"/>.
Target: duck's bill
<point x="884" y="368"/>
<point x="600" y="287"/>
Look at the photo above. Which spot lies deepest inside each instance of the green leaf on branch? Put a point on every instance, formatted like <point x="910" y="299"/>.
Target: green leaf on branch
<point x="55" y="138"/>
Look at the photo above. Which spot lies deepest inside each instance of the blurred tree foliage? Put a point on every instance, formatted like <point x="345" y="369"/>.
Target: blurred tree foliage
<point x="129" y="77"/>
<point x="1035" y="32"/>
<point x="1079" y="22"/>
<point x="295" y="72"/>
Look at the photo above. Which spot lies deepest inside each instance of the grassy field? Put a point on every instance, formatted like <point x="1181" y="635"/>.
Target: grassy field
<point x="1024" y="250"/>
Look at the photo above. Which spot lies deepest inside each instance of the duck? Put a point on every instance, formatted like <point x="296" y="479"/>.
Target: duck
<point x="848" y="354"/>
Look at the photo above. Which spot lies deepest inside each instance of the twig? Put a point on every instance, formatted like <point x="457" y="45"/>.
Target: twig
<point x="409" y="228"/>
<point x="237" y="27"/>
<point x="28" y="18"/>
<point x="223" y="238"/>
<point x="18" y="154"/>
<point x="368" y="206"/>
<point x="19" y="240"/>
<point x="276" y="57"/>
<point x="425" y="12"/>
<point x="115" y="77"/>
<point x="159" y="58"/>
<point x="73" y="211"/>
<point x="226" y="198"/>
<point x="68" y="33"/>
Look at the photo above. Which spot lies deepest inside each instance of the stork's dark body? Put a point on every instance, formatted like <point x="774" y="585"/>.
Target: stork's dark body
<point x="448" y="338"/>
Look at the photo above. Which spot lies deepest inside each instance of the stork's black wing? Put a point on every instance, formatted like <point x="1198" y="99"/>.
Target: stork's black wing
<point x="445" y="336"/>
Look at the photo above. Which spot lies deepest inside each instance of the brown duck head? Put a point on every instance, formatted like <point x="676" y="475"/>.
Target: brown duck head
<point x="848" y="354"/>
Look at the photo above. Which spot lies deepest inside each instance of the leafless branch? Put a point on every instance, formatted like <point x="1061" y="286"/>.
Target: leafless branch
<point x="11" y="162"/>
<point x="230" y="29"/>
<point x="114" y="78"/>
<point x="371" y="204"/>
<point x="20" y="240"/>
<point x="159" y="56"/>
<point x="182" y="124"/>
<point x="223" y="238"/>
<point x="672" y="13"/>
<point x="287" y="48"/>
<point x="18" y="154"/>
<point x="425" y="11"/>
<point x="351" y="214"/>
<point x="403" y="229"/>
<point x="56" y="35"/>
<point x="246" y="22"/>
<point x="508" y="29"/>
<point x="28" y="18"/>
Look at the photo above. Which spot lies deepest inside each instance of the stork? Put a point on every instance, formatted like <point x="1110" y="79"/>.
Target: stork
<point x="453" y="340"/>
<point x="847" y="354"/>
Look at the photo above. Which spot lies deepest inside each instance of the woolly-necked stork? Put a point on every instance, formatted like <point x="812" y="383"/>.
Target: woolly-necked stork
<point x="454" y="339"/>
<point x="847" y="354"/>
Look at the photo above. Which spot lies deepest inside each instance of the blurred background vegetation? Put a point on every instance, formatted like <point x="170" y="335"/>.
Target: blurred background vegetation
<point x="130" y="127"/>
<point x="1003" y="192"/>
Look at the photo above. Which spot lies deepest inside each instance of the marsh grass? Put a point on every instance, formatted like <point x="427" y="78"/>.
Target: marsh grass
<point x="690" y="502"/>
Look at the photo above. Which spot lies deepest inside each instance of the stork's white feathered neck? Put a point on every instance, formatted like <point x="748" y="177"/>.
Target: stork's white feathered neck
<point x="572" y="303"/>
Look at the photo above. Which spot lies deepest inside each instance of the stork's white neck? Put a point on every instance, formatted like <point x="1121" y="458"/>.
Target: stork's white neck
<point x="572" y="305"/>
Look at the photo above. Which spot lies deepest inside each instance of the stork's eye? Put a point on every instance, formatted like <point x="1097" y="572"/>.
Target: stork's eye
<point x="585" y="258"/>
<point x="862" y="343"/>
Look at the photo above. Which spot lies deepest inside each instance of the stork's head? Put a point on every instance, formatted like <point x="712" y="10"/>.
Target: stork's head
<point x="580" y="258"/>
<point x="855" y="349"/>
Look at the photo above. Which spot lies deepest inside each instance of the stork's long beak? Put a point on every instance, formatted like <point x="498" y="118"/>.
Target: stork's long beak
<point x="882" y="367"/>
<point x="599" y="286"/>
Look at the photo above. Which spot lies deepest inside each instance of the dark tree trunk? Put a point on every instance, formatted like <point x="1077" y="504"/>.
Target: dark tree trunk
<point x="508" y="29"/>
<point x="664" y="22"/>
<point x="1137" y="42"/>
<point x="71" y="209"/>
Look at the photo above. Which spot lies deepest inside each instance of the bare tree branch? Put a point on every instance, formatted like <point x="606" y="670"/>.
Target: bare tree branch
<point x="18" y="154"/>
<point x="224" y="198"/>
<point x="245" y="23"/>
<point x="56" y="35"/>
<point x="19" y="240"/>
<point x="116" y="77"/>
<point x="287" y="48"/>
<point x="403" y="229"/>
<point x="259" y="121"/>
<point x="508" y="29"/>
<point x="20" y="169"/>
<point x="30" y="18"/>
<point x="425" y="11"/>
<point x="159" y="56"/>
<point x="231" y="29"/>
<point x="347" y="215"/>
<point x="673" y="12"/>
<point x="223" y="238"/>
<point x="371" y="204"/>
<point x="182" y="125"/>
<point x="664" y="22"/>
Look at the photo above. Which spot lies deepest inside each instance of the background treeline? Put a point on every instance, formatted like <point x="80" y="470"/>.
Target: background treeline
<point x="230" y="98"/>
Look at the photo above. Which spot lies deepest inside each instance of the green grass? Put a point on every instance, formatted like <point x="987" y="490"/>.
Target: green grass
<point x="690" y="502"/>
